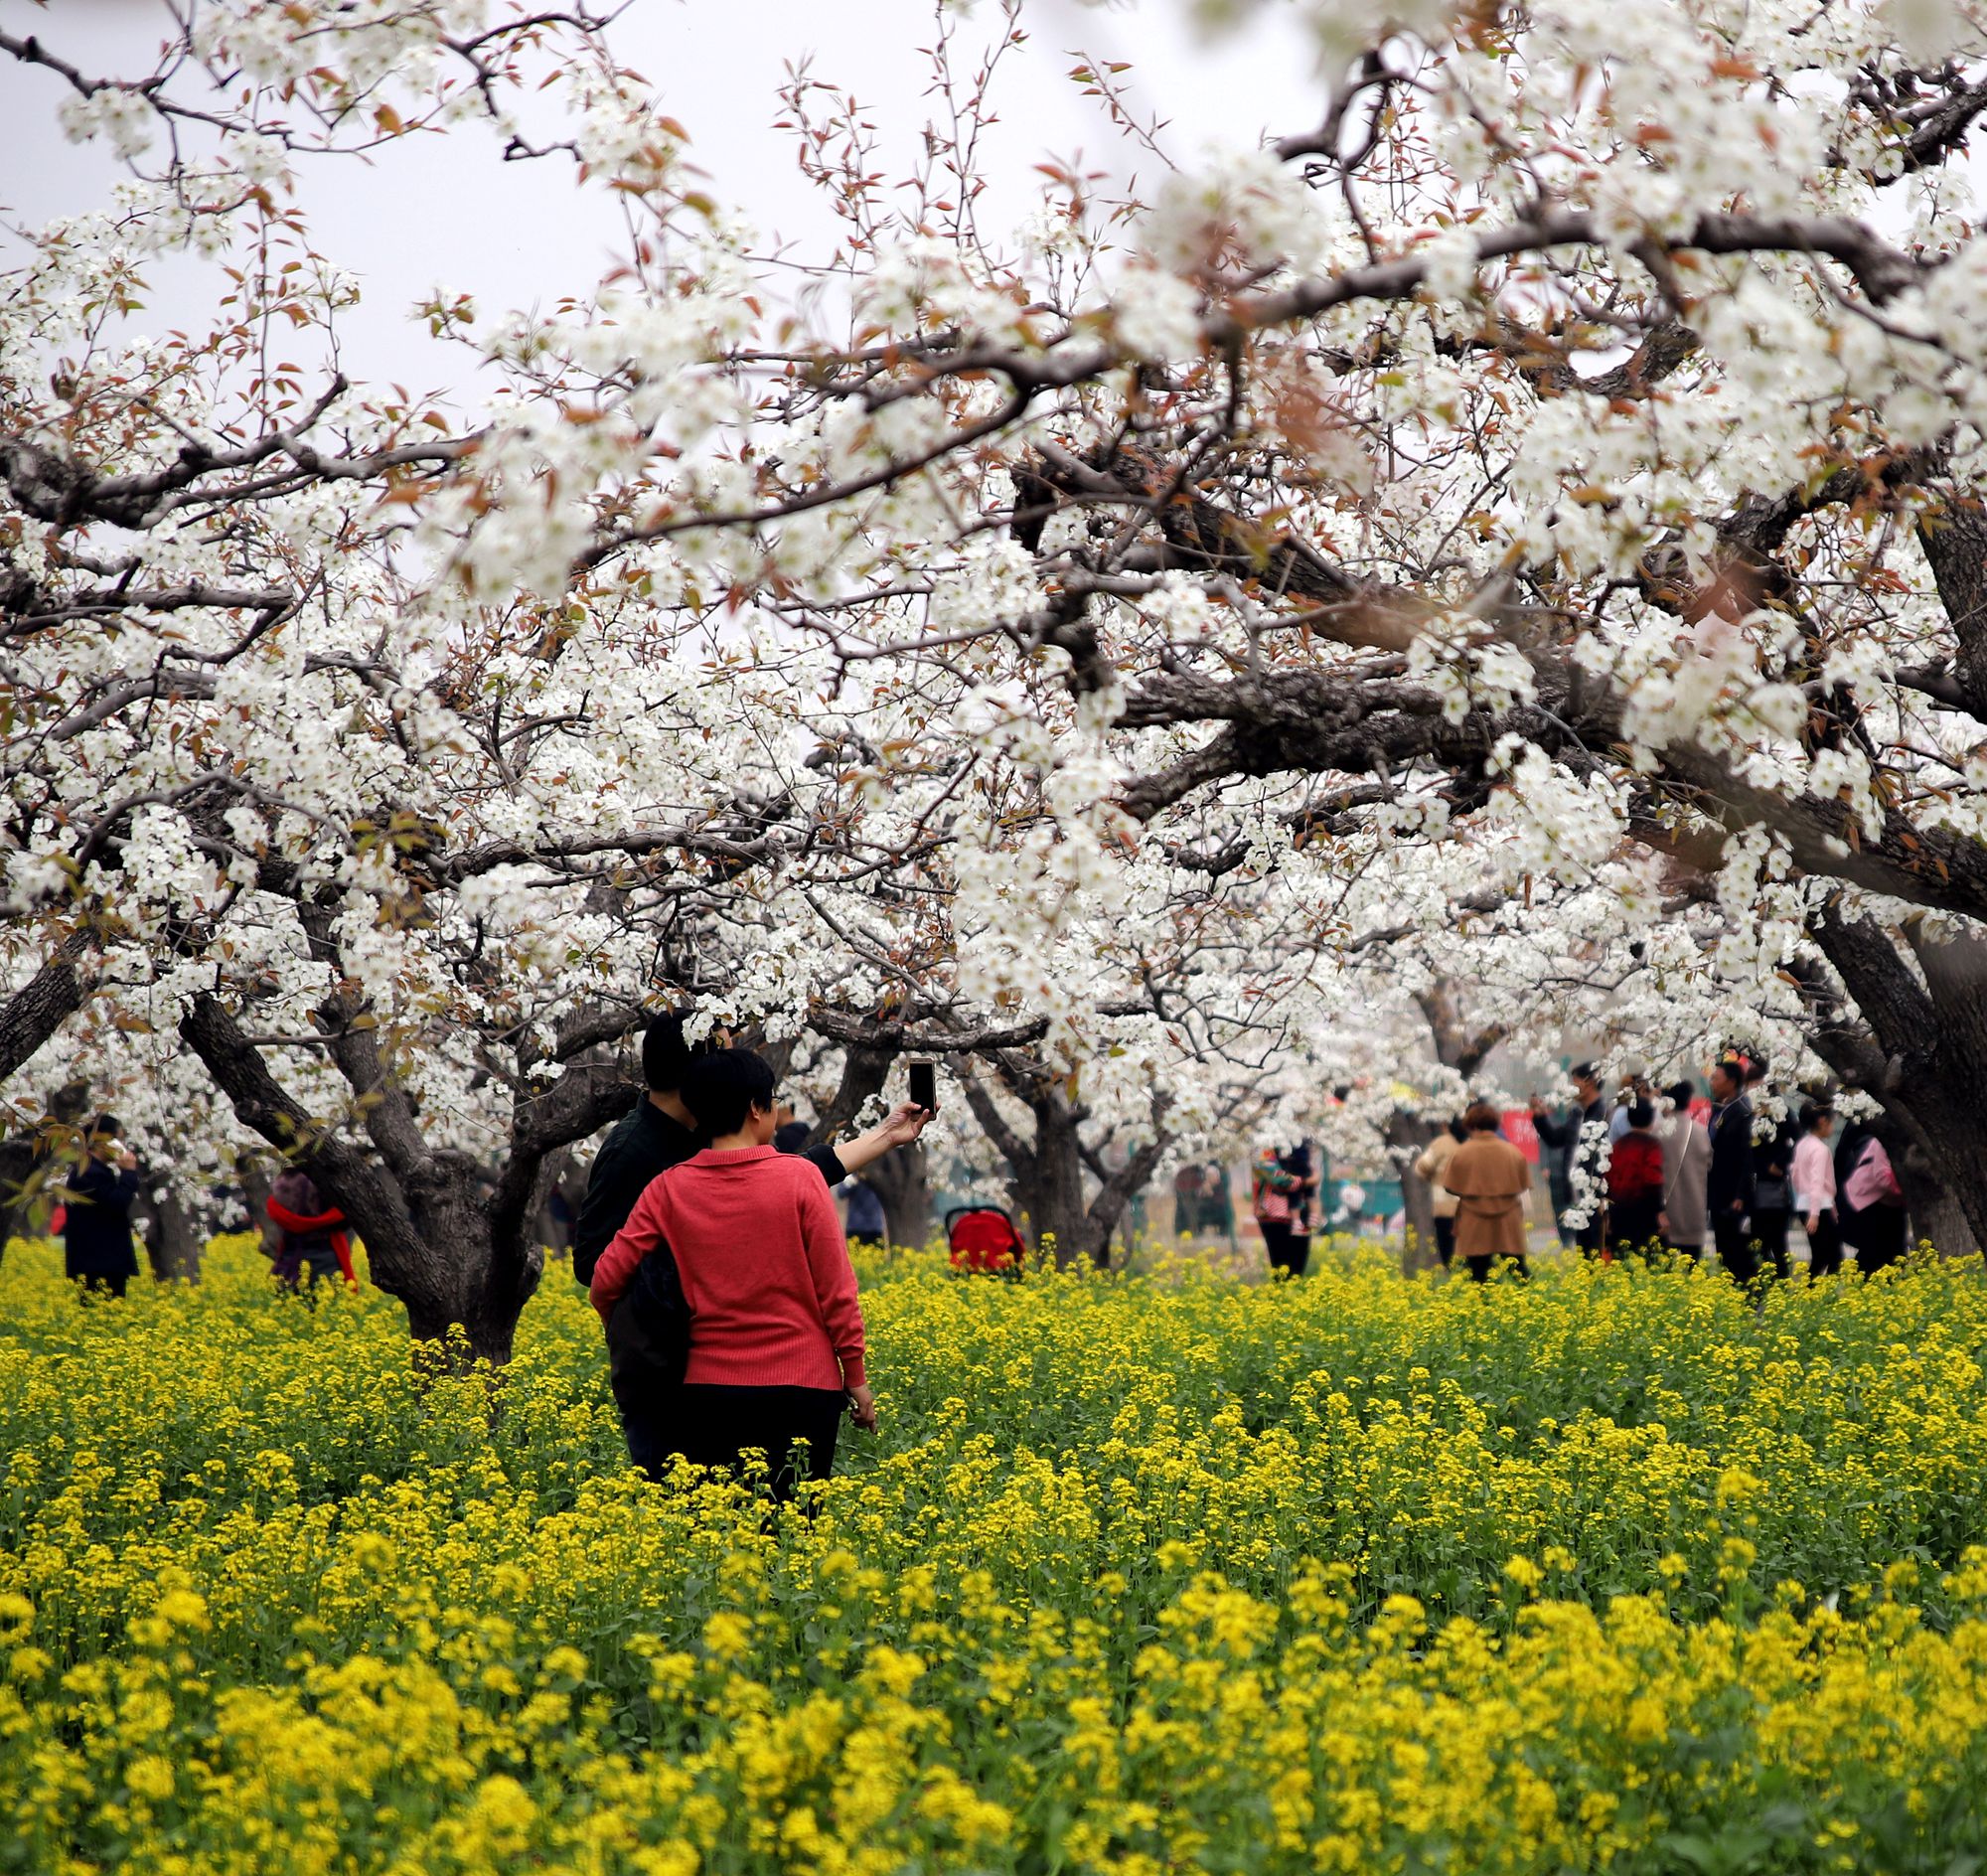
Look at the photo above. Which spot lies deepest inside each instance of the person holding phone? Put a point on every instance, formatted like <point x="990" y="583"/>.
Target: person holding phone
<point x="660" y="1132"/>
<point x="97" y="1252"/>
<point x="776" y="1333"/>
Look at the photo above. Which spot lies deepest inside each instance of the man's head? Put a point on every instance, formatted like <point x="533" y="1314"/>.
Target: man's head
<point x="1642" y="1115"/>
<point x="1586" y="1082"/>
<point x="1727" y="1078"/>
<point x="1480" y="1118"/>
<point x="733" y="1091"/>
<point x="107" y="1134"/>
<point x="1683" y="1094"/>
<point x="667" y="1057"/>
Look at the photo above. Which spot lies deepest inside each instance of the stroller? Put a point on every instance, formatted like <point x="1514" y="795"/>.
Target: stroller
<point x="983" y="1240"/>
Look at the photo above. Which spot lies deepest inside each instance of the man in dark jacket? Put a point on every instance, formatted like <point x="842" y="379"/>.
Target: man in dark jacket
<point x="97" y="1212"/>
<point x="661" y="1133"/>
<point x="1730" y="1184"/>
<point x="1583" y="1137"/>
<point x="1774" y="1138"/>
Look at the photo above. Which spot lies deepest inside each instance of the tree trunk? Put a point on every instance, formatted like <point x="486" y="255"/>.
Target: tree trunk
<point x="1052" y="1193"/>
<point x="1937" y="1217"/>
<point x="172" y="1238"/>
<point x="1920" y="1048"/>
<point x="1407" y="1134"/>
<point x="901" y="1179"/>
<point x="437" y="1235"/>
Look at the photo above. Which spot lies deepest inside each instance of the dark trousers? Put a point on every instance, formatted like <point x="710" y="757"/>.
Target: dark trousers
<point x="1480" y="1268"/>
<point x="1591" y="1237"/>
<point x="92" y="1284"/>
<point x="1288" y="1247"/>
<point x="1444" y="1241"/>
<point x="1824" y="1245"/>
<point x="714" y="1424"/>
<point x="1769" y="1226"/>
<point x="1633" y="1222"/>
<point x="1737" y="1250"/>
<point x="1880" y="1237"/>
<point x="1694" y="1252"/>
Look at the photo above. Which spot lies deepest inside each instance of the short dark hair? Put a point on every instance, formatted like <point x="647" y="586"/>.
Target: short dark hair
<point x="1756" y="1069"/>
<point x="1732" y="1071"/>
<point x="723" y="1088"/>
<point x="1816" y="1111"/>
<point x="666" y="1056"/>
<point x="1481" y="1118"/>
<point x="1684" y="1093"/>
<point x="1641" y="1113"/>
<point x="1584" y="1071"/>
<point x="105" y="1127"/>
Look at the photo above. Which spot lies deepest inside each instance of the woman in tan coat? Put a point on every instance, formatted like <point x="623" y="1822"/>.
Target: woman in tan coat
<point x="1489" y="1177"/>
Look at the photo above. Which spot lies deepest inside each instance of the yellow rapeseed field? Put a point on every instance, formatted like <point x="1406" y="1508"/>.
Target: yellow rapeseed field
<point x="1149" y="1574"/>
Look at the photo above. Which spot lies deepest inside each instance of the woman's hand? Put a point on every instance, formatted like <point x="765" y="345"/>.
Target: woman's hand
<point x="1813" y="1222"/>
<point x="862" y="1407"/>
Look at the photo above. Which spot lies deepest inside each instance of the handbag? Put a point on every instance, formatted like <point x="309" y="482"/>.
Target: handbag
<point x="1273" y="1207"/>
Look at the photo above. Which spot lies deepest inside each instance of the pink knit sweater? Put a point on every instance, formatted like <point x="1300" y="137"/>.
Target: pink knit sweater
<point x="765" y="1269"/>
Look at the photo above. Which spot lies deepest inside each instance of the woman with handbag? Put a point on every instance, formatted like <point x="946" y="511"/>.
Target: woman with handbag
<point x="775" y="1324"/>
<point x="1276" y="1192"/>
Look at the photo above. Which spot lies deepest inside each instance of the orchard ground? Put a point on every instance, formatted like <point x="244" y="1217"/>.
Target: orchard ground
<point x="1143" y="1573"/>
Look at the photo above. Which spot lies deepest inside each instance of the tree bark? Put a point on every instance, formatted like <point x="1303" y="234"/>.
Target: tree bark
<point x="1920" y="1048"/>
<point x="1047" y="1173"/>
<point x="901" y="1181"/>
<point x="445" y="1236"/>
<point x="170" y="1237"/>
<point x="1407" y="1134"/>
<point x="42" y="1004"/>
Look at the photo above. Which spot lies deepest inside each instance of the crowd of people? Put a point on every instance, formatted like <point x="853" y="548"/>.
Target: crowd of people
<point x="718" y="1262"/>
<point x="1647" y="1174"/>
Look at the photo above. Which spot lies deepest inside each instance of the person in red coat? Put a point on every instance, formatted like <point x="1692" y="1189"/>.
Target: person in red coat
<point x="1635" y="1185"/>
<point x="775" y="1335"/>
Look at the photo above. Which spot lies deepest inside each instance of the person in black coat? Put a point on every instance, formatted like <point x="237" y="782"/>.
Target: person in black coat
<point x="1730" y="1184"/>
<point x="1773" y="1143"/>
<point x="97" y="1251"/>
<point x="1581" y="1137"/>
<point x="661" y="1133"/>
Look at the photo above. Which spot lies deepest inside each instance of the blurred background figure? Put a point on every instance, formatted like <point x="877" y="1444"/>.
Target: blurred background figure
<point x="97" y="1197"/>
<point x="311" y="1242"/>
<point x="1685" y="1166"/>
<point x="1429" y="1165"/>
<point x="865" y="1221"/>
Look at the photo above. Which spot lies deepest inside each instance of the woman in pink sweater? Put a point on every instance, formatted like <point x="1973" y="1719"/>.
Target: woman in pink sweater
<point x="776" y="1338"/>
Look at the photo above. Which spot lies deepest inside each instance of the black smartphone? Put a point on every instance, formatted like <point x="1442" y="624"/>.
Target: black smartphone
<point x="924" y="1085"/>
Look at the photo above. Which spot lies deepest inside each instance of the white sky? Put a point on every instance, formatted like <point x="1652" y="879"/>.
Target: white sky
<point x="445" y="211"/>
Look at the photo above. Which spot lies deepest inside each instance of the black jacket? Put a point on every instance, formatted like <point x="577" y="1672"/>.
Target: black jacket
<point x="1732" y="1172"/>
<point x="1773" y="1159"/>
<point x="96" y="1222"/>
<point x="642" y="1145"/>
